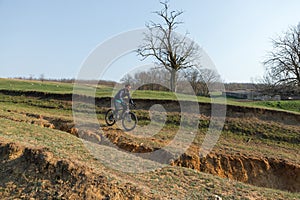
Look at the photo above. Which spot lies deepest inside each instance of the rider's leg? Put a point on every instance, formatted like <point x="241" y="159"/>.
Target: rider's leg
<point x="117" y="108"/>
<point x="124" y="106"/>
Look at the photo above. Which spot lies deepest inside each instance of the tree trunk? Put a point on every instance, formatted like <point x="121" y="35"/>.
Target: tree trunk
<point x="173" y="80"/>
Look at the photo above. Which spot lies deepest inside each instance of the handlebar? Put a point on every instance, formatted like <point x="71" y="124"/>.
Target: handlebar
<point x="133" y="104"/>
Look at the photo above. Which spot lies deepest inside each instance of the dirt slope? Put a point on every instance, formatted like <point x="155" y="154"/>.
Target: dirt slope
<point x="258" y="171"/>
<point x="35" y="173"/>
<point x="30" y="172"/>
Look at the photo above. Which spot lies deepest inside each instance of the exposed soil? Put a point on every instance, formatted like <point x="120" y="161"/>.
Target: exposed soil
<point x="41" y="175"/>
<point x="35" y="173"/>
<point x="258" y="171"/>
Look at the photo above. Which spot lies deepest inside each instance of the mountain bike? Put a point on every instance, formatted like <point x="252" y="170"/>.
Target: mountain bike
<point x="129" y="119"/>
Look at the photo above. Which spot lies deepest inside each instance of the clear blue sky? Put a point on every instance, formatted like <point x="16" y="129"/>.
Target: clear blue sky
<point x="53" y="37"/>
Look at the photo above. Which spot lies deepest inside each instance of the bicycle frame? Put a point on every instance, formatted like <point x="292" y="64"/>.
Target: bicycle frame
<point x="123" y="111"/>
<point x="127" y="117"/>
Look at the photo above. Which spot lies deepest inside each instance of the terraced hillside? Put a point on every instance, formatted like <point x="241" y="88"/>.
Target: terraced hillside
<point x="44" y="155"/>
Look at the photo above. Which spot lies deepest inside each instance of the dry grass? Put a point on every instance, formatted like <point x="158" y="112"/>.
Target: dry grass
<point x="17" y="115"/>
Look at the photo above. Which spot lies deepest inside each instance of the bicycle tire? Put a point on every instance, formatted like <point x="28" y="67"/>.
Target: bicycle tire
<point x="109" y="117"/>
<point x="129" y="121"/>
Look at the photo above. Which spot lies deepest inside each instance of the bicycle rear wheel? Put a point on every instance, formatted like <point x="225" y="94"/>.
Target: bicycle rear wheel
<point x="129" y="121"/>
<point x="110" y="117"/>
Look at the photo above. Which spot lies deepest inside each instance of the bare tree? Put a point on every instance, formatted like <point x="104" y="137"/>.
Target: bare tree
<point x="151" y="78"/>
<point x="283" y="62"/>
<point x="127" y="79"/>
<point x="42" y="77"/>
<point x="203" y="80"/>
<point x="169" y="49"/>
<point x="211" y="79"/>
<point x="31" y="77"/>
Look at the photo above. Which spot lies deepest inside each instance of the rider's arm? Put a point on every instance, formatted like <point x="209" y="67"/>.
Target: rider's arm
<point x="121" y="95"/>
<point x="129" y="97"/>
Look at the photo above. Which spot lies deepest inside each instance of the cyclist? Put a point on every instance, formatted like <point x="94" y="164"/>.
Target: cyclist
<point x="119" y="100"/>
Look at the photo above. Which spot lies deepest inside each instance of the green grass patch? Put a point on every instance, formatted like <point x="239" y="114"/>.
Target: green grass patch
<point x="26" y="85"/>
<point x="106" y="91"/>
<point x="291" y="105"/>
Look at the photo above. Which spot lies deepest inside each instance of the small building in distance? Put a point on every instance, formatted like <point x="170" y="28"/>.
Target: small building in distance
<point x="249" y="95"/>
<point x="243" y="94"/>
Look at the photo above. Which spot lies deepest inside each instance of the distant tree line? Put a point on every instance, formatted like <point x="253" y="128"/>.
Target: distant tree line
<point x="190" y="81"/>
<point x="42" y="78"/>
<point x="70" y="80"/>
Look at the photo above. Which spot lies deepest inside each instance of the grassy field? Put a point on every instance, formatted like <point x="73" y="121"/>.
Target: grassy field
<point x="26" y="85"/>
<point x="24" y="119"/>
<point x="291" y="105"/>
<point x="105" y="91"/>
<point x="270" y="133"/>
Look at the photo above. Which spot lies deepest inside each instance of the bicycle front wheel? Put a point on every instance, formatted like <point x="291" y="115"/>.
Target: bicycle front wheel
<point x="129" y="121"/>
<point x="110" y="117"/>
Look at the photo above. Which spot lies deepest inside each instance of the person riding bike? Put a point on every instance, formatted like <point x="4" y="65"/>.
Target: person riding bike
<point x="119" y="100"/>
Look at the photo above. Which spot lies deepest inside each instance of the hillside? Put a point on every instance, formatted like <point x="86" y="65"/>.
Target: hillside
<point x="46" y="156"/>
<point x="48" y="88"/>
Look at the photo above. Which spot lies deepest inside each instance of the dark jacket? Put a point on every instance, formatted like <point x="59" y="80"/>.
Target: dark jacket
<point x="122" y="94"/>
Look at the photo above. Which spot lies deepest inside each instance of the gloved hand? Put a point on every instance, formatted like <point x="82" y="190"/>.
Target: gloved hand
<point x="132" y="103"/>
